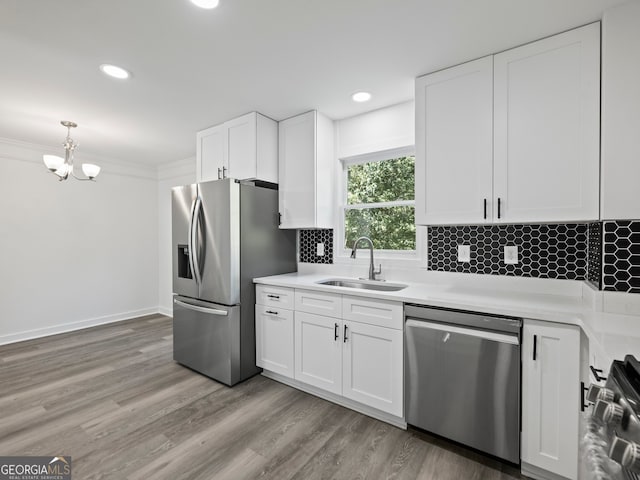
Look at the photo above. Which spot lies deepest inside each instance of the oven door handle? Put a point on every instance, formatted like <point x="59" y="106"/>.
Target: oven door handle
<point x="484" y="334"/>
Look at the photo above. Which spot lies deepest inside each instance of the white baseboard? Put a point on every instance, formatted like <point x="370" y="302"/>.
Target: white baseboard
<point x="538" y="473"/>
<point x="168" y="311"/>
<point x="70" y="327"/>
<point x="338" y="399"/>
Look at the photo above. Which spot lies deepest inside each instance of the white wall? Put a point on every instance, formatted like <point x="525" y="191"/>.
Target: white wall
<point x="376" y="131"/>
<point x="74" y="254"/>
<point x="179" y="173"/>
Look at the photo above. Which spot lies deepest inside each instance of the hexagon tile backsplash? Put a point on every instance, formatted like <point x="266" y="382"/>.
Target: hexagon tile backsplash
<point x="544" y="251"/>
<point x="606" y="254"/>
<point x="621" y="245"/>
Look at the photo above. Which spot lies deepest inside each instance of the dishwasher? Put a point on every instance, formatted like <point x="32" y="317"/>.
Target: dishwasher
<point x="462" y="378"/>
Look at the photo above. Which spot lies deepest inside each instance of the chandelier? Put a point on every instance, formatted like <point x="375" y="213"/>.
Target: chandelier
<point x="63" y="167"/>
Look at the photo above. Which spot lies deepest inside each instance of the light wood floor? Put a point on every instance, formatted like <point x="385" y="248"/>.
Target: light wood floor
<point x="113" y="399"/>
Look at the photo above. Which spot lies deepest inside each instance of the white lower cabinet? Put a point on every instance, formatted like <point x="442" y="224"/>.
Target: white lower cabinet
<point x="348" y="346"/>
<point x="318" y="351"/>
<point x="372" y="366"/>
<point x="550" y="399"/>
<point x="274" y="339"/>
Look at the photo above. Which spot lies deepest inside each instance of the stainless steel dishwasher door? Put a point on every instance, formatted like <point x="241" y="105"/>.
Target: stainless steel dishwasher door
<point x="464" y="384"/>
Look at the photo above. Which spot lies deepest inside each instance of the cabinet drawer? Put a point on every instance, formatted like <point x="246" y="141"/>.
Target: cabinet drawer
<point x="281" y="297"/>
<point x="329" y="304"/>
<point x="374" y="312"/>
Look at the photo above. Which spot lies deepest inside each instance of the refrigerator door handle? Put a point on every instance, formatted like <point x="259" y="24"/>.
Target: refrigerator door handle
<point x="197" y="308"/>
<point x="193" y="240"/>
<point x="191" y="264"/>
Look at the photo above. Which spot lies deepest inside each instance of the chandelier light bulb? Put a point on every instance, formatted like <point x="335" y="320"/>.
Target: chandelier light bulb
<point x="53" y="162"/>
<point x="90" y="170"/>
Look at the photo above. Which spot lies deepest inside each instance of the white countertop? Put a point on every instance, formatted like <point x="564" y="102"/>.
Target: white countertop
<point x="613" y="335"/>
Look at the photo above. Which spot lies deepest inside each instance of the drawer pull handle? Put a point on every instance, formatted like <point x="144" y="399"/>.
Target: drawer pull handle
<point x="596" y="374"/>
<point x="273" y="296"/>
<point x="335" y="333"/>
<point x="485" y="208"/>
<point x="271" y="312"/>
<point x="535" y="347"/>
<point x="345" y="335"/>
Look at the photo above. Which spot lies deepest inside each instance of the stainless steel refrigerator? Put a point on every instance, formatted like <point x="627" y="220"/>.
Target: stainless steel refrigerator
<point x="224" y="234"/>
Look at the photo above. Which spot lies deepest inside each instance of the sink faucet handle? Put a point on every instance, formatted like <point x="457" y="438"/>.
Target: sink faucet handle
<point x="377" y="272"/>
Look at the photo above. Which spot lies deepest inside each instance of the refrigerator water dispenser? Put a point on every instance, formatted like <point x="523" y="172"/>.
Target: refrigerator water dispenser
<point x="184" y="266"/>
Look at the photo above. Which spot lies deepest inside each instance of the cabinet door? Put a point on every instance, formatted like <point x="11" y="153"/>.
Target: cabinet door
<point x="318" y="351"/>
<point x="454" y="144"/>
<point x="620" y="107"/>
<point x="550" y="397"/>
<point x="241" y="147"/>
<point x="211" y="155"/>
<point x="372" y="366"/>
<point x="274" y="340"/>
<point x="297" y="171"/>
<point x="546" y="129"/>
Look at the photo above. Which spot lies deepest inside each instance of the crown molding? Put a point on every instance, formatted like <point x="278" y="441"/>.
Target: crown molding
<point x="179" y="168"/>
<point x="31" y="152"/>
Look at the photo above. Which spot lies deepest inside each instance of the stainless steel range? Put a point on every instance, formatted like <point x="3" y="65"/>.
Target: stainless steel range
<point x="611" y="444"/>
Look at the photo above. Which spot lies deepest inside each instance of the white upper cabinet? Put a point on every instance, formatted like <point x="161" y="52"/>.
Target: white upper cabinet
<point x="546" y="129"/>
<point x="454" y="144"/>
<point x="620" y="112"/>
<point x="211" y="155"/>
<point x="243" y="148"/>
<point x="514" y="137"/>
<point x="306" y="171"/>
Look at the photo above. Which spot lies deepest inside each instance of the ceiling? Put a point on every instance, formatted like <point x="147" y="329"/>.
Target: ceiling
<point x="195" y="68"/>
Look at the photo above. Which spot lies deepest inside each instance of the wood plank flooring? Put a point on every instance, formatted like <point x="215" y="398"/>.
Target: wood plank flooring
<point x="113" y="398"/>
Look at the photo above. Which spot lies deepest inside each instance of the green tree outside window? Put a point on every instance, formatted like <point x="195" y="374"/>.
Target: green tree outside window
<point x="381" y="204"/>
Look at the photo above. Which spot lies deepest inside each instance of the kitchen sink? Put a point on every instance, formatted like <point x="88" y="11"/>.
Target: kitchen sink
<point x="363" y="285"/>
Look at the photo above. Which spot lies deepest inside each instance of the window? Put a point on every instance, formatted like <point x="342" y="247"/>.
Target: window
<point x="379" y="202"/>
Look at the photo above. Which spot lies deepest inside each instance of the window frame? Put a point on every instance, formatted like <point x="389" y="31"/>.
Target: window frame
<point x="399" y="257"/>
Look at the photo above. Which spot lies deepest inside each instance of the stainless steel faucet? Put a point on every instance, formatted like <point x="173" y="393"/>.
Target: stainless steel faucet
<point x="372" y="271"/>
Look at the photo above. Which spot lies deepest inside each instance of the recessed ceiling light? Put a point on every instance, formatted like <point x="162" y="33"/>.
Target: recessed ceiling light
<point x="208" y="4"/>
<point x="361" y="97"/>
<point x="114" y="71"/>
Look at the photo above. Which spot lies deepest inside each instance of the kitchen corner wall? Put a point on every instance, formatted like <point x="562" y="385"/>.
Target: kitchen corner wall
<point x="74" y="254"/>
